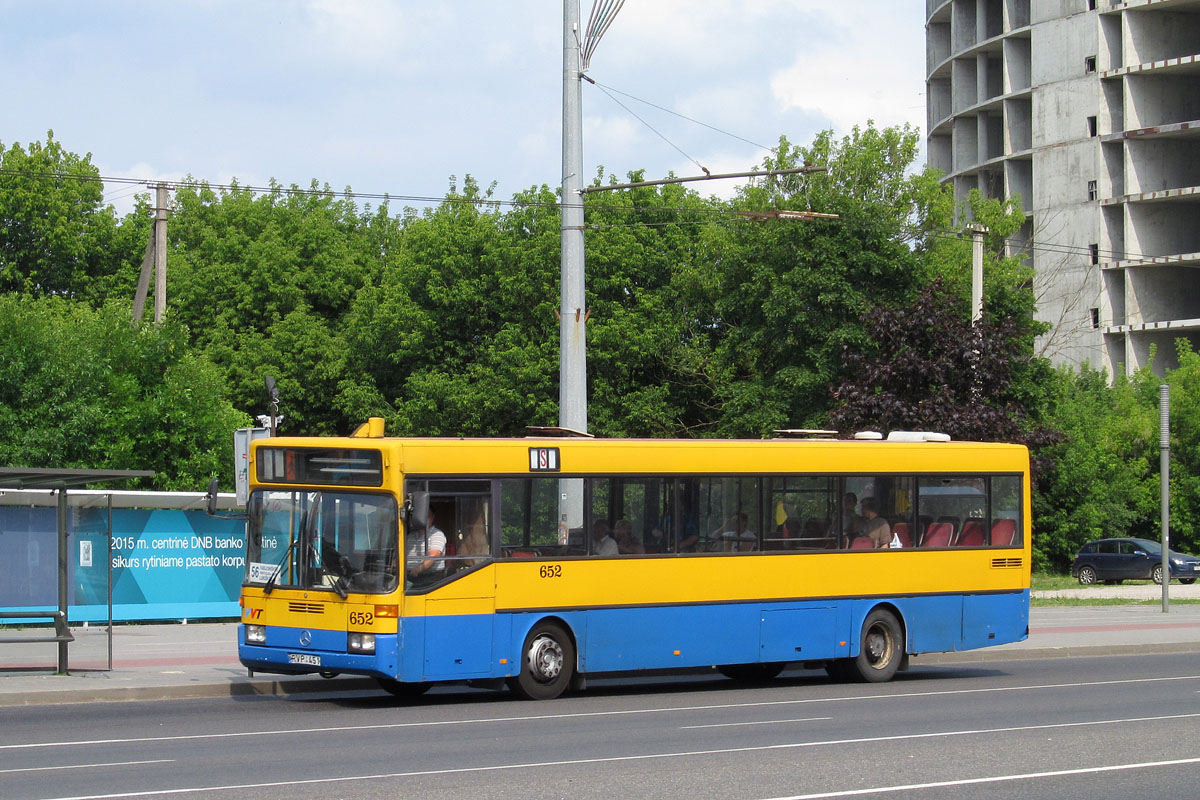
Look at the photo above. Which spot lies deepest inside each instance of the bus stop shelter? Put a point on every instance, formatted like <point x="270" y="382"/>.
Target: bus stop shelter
<point x="60" y="480"/>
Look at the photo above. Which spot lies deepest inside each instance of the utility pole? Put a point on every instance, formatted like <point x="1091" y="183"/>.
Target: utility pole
<point x="572" y="369"/>
<point x="977" y="232"/>
<point x="160" y="252"/>
<point x="155" y="258"/>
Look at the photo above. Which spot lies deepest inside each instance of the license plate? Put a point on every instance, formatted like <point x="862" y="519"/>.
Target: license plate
<point x="304" y="658"/>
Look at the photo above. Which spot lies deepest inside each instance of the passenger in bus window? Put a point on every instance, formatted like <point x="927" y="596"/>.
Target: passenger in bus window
<point x="475" y="543"/>
<point x="623" y="534"/>
<point x="690" y="536"/>
<point x="602" y="543"/>
<point x="852" y="523"/>
<point x="425" y="555"/>
<point x="735" y="536"/>
<point x="875" y="527"/>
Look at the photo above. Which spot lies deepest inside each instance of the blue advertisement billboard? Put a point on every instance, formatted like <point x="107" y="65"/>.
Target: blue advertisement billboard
<point x="167" y="564"/>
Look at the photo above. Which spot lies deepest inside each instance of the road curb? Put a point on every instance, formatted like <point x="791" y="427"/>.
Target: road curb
<point x="1079" y="651"/>
<point x="199" y="691"/>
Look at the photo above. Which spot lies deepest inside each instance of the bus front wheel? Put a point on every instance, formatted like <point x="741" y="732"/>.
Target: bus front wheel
<point x="881" y="648"/>
<point x="547" y="663"/>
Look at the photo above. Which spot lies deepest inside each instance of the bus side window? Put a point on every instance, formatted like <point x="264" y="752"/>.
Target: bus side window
<point x="1006" y="503"/>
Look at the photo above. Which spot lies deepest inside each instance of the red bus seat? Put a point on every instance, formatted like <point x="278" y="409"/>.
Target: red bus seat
<point x="1003" y="532"/>
<point x="862" y="543"/>
<point x="972" y="534"/>
<point x="938" y="535"/>
<point x="903" y="533"/>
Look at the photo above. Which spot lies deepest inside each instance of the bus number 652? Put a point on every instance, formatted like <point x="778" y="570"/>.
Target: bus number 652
<point x="551" y="571"/>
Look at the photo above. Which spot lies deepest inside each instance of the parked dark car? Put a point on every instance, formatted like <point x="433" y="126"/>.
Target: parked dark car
<point x="1116" y="560"/>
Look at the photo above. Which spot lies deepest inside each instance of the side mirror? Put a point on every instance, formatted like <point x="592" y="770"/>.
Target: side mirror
<point x="210" y="500"/>
<point x="416" y="512"/>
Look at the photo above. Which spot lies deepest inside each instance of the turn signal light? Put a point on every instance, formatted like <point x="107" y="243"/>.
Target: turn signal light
<point x="387" y="611"/>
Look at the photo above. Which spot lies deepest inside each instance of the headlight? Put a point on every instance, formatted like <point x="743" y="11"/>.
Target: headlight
<point x="362" y="642"/>
<point x="256" y="634"/>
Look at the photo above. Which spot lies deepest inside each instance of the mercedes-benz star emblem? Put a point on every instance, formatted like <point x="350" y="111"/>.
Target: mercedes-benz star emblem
<point x="306" y="638"/>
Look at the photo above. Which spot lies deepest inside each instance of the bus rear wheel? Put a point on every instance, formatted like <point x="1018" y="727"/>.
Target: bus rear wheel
<point x="881" y="648"/>
<point x="752" y="673"/>
<point x="547" y="663"/>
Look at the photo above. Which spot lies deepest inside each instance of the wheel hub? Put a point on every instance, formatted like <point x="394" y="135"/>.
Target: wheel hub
<point x="545" y="659"/>
<point x="877" y="647"/>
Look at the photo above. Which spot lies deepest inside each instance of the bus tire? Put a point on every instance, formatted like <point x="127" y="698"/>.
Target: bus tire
<point x="547" y="663"/>
<point x="752" y="673"/>
<point x="881" y="648"/>
<point x="402" y="689"/>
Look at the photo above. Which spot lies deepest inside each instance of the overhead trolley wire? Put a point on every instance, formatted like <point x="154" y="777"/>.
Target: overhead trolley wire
<point x="602" y="16"/>
<point x="607" y="89"/>
<point x="1034" y="245"/>
<point x="656" y="132"/>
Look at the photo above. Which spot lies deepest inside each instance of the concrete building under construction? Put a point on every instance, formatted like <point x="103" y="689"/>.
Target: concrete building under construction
<point x="1090" y="111"/>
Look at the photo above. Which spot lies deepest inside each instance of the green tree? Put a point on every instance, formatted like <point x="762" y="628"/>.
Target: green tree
<point x="928" y="367"/>
<point x="1184" y="383"/>
<point x="263" y="283"/>
<point x="84" y="388"/>
<point x="645" y="248"/>
<point x="786" y="296"/>
<point x="457" y="333"/>
<point x="56" y="235"/>
<point x="1101" y="482"/>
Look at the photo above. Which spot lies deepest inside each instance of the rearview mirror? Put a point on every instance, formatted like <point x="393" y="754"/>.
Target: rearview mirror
<point x="210" y="499"/>
<point x="416" y="512"/>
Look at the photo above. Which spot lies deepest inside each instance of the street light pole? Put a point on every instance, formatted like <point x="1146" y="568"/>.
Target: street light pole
<point x="1164" y="459"/>
<point x="572" y="370"/>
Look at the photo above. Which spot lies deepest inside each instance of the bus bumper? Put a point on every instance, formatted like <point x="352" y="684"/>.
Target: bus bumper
<point x="327" y="651"/>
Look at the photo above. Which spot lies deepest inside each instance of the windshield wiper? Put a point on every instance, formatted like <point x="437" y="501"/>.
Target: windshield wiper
<point x="306" y="521"/>
<point x="270" y="584"/>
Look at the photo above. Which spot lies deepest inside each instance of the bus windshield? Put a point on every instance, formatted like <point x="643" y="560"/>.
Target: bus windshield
<point x="326" y="540"/>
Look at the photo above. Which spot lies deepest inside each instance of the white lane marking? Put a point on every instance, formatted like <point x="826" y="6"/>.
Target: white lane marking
<point x="587" y="714"/>
<point x="759" y="722"/>
<point x="995" y="779"/>
<point x="88" y="766"/>
<point x="616" y="759"/>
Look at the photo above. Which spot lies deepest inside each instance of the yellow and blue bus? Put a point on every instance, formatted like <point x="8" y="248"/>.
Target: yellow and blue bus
<point x="535" y="562"/>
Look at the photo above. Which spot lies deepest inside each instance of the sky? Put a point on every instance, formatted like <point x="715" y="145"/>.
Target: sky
<point x="398" y="96"/>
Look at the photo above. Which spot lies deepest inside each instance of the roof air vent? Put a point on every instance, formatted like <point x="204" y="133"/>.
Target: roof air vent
<point x="917" y="436"/>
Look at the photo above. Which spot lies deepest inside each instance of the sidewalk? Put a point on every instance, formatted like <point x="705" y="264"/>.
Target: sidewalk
<point x="153" y="662"/>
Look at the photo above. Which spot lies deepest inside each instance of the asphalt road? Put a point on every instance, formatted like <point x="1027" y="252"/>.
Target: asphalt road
<point x="1105" y="727"/>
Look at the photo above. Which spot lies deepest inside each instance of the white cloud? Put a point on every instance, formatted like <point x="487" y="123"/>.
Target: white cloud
<point x="867" y="72"/>
<point x="615" y="134"/>
<point x="396" y="95"/>
<point x="376" y="33"/>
